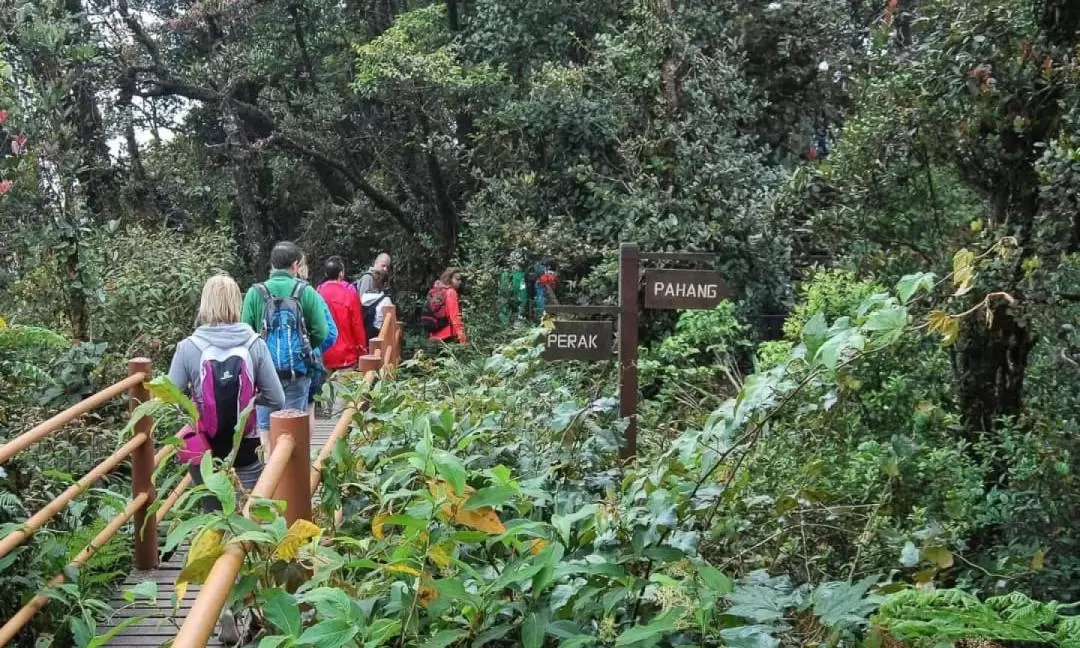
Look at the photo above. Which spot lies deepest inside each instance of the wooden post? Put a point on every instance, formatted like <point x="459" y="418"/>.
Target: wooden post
<point x="142" y="471"/>
<point x="629" y="278"/>
<point x="295" y="485"/>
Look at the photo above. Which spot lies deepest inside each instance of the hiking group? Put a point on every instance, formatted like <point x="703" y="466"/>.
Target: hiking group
<point x="276" y="349"/>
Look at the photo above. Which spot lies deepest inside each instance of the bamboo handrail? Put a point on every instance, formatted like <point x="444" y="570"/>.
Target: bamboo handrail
<point x="32" y="525"/>
<point x="200" y="621"/>
<point x="35" y="434"/>
<point x="24" y="615"/>
<point x="167" y="505"/>
<point x="340" y="430"/>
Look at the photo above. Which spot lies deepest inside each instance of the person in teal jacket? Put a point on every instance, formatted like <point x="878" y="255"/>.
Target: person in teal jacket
<point x="286" y="260"/>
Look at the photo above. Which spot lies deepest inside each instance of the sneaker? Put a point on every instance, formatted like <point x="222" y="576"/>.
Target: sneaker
<point x="228" y="633"/>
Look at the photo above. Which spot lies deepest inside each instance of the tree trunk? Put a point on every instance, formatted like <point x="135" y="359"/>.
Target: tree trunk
<point x="990" y="366"/>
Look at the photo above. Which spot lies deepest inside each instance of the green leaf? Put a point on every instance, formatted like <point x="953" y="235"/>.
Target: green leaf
<point x="563" y="523"/>
<point x="103" y="640"/>
<point x="814" y="334"/>
<point x="913" y="283"/>
<point x="382" y="629"/>
<point x="181" y="531"/>
<point x="842" y="604"/>
<point x="490" y="496"/>
<point x="329" y="602"/>
<point x="714" y="580"/>
<point x="533" y="629"/>
<point x="280" y="609"/>
<point x="275" y="641"/>
<point x="889" y="322"/>
<point x="444" y="638"/>
<point x="147" y="590"/>
<point x="164" y="390"/>
<point x="754" y="636"/>
<point x="222" y="488"/>
<point x="575" y="642"/>
<point x="657" y="628"/>
<point x="451" y="469"/>
<point x="328" y="634"/>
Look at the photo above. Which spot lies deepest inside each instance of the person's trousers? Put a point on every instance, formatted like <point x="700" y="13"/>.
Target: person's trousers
<point x="296" y="398"/>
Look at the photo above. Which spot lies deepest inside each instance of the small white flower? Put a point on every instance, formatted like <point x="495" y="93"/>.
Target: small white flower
<point x="773" y="6"/>
<point x="823" y="66"/>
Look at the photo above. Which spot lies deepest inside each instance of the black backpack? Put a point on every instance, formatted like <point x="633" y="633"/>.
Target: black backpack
<point x="370" y="311"/>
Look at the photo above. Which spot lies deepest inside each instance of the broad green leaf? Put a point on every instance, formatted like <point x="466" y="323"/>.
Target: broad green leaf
<point x="533" y="629"/>
<point x="911" y="284"/>
<point x="490" y="496"/>
<point x="382" y="629"/>
<point x="657" y="628"/>
<point x="280" y="609"/>
<point x="888" y="322"/>
<point x="276" y="641"/>
<point x="814" y="334"/>
<point x="329" y="602"/>
<point x="329" y="634"/>
<point x="103" y="640"/>
<point x="753" y="636"/>
<point x="164" y="390"/>
<point x="181" y="531"/>
<point x="444" y="638"/>
<point x="576" y="642"/>
<point x="842" y="604"/>
<point x="221" y="486"/>
<point x="146" y="590"/>
<point x="564" y="523"/>
<point x="714" y="580"/>
<point x="452" y="470"/>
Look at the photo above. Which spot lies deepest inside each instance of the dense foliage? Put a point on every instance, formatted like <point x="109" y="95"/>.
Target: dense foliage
<point x="875" y="441"/>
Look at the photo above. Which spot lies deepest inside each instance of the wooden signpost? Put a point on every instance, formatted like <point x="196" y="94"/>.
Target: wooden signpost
<point x="571" y="340"/>
<point x="664" y="289"/>
<point x="684" y="289"/>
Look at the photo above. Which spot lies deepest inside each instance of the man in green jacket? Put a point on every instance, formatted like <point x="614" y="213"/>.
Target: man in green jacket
<point x="285" y="261"/>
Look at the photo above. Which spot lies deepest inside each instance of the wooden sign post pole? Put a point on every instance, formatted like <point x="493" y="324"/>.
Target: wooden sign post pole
<point x="629" y="278"/>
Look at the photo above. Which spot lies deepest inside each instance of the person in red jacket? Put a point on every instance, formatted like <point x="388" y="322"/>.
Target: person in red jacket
<point x="442" y="313"/>
<point x="340" y="296"/>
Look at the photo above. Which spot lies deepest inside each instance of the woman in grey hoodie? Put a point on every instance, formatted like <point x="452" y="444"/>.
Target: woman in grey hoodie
<point x="219" y="327"/>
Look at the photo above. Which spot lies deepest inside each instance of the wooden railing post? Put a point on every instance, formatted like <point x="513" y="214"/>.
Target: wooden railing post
<point x="295" y="486"/>
<point x="142" y="471"/>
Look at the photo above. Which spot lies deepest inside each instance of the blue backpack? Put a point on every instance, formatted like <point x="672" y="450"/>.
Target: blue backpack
<point x="286" y="332"/>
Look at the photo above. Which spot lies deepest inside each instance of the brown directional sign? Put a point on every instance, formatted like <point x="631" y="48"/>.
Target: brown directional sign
<point x="578" y="341"/>
<point x="684" y="289"/>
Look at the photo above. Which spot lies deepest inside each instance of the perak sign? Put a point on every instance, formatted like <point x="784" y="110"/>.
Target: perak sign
<point x="684" y="289"/>
<point x="578" y="340"/>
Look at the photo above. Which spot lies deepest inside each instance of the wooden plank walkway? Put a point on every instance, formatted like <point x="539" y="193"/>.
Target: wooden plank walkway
<point x="160" y="625"/>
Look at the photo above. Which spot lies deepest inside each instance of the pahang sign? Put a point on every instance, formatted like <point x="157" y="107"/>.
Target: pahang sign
<point x="684" y="289"/>
<point x="578" y="340"/>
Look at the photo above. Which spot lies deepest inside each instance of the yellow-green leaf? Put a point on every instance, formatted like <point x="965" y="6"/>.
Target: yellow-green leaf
<point x="299" y="533"/>
<point x="1038" y="561"/>
<point x="440" y="554"/>
<point x="940" y="556"/>
<point x="377" y="525"/>
<point x="945" y="325"/>
<point x="402" y="568"/>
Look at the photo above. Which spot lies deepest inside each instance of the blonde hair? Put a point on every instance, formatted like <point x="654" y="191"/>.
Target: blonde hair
<point x="220" y="302"/>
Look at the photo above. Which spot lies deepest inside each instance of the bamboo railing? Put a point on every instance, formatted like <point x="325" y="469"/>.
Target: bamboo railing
<point x="140" y="448"/>
<point x="287" y="476"/>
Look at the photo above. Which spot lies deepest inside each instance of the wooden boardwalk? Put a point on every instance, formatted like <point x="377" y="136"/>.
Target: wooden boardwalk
<point x="160" y="624"/>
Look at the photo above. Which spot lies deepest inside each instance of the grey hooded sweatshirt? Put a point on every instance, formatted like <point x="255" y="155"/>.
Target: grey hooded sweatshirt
<point x="184" y="371"/>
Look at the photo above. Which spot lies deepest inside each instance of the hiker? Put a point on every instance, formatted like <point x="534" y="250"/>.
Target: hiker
<point x="225" y="367"/>
<point x="364" y="283"/>
<point x="346" y="312"/>
<point x="376" y="302"/>
<point x="442" y="311"/>
<point x="290" y="316"/>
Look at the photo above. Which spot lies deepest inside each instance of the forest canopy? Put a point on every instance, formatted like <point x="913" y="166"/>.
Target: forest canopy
<point x="890" y="188"/>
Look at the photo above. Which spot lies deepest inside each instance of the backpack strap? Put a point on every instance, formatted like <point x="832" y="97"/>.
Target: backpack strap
<point x="268" y="301"/>
<point x="305" y="336"/>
